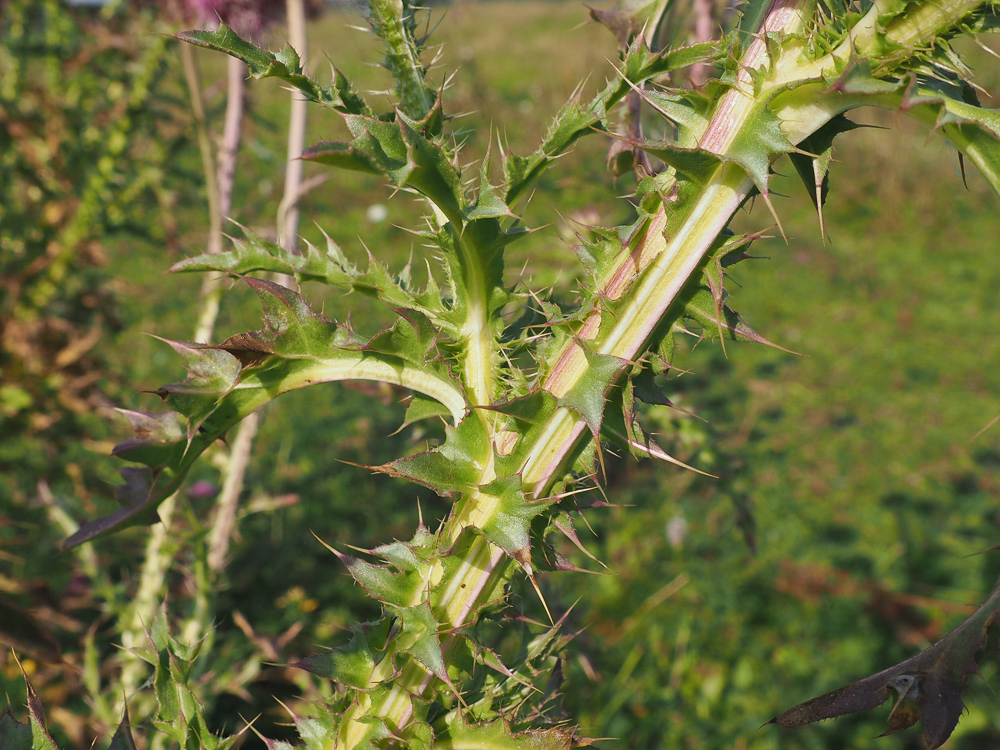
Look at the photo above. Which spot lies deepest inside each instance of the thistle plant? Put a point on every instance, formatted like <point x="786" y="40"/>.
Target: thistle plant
<point x="531" y="389"/>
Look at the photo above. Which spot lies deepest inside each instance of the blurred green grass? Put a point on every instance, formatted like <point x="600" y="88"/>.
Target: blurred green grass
<point x="853" y="462"/>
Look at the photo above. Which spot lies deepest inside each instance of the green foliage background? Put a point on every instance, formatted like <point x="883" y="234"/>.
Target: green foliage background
<point x="833" y="544"/>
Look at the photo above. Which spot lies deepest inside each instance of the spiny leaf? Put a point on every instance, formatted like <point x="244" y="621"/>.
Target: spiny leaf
<point x="122" y="739"/>
<point x="295" y="349"/>
<point x="420" y="407"/>
<point x="812" y="162"/>
<point x="150" y="430"/>
<point x="572" y="122"/>
<point x="722" y="322"/>
<point x="693" y="163"/>
<point x="600" y="251"/>
<point x="212" y="373"/>
<point x="352" y="663"/>
<point x="528" y="416"/>
<point x="413" y="339"/>
<point x="397" y="151"/>
<point x="496" y="735"/>
<point x="284" y="65"/>
<point x="587" y="394"/>
<point x="488" y="204"/>
<point x="933" y="681"/>
<point x="396" y="588"/>
<point x="32" y="735"/>
<point x="509" y="525"/>
<point x="13" y="734"/>
<point x="687" y="110"/>
<point x="456" y="466"/>
<point x="627" y="18"/>
<point x="253" y="254"/>
<point x="293" y="329"/>
<point x="419" y="638"/>
<point x="973" y="130"/>
<point x="755" y="145"/>
<point x="315" y="731"/>
<point x="395" y="24"/>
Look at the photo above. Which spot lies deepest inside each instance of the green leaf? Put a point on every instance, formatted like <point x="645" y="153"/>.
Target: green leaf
<point x="212" y="373"/>
<point x="297" y="348"/>
<point x="418" y="637"/>
<point x="641" y="64"/>
<point x="573" y="121"/>
<point x="13" y="734"/>
<point x="686" y="109"/>
<point x="412" y="339"/>
<point x="587" y="394"/>
<point x="721" y="321"/>
<point x="394" y="23"/>
<point x="812" y="161"/>
<point x="488" y="204"/>
<point x="397" y="151"/>
<point x="455" y="467"/>
<point x="254" y="254"/>
<point x="166" y="689"/>
<point x="351" y="664"/>
<point x="628" y="18"/>
<point x="31" y="735"/>
<point x="397" y="588"/>
<point x="509" y="524"/>
<point x="459" y="735"/>
<point x="528" y="416"/>
<point x="420" y="407"/>
<point x="150" y="430"/>
<point x="692" y="163"/>
<point x="285" y="65"/>
<point x="315" y="730"/>
<point x="973" y="130"/>
<point x="756" y="144"/>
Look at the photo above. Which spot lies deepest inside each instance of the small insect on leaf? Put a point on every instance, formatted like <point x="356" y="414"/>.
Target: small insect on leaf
<point x="905" y="711"/>
<point x="927" y="686"/>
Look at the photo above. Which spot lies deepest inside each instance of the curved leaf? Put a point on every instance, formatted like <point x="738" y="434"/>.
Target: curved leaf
<point x="228" y="381"/>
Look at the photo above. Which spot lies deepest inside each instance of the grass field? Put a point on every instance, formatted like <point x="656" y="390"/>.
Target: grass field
<point x="835" y="541"/>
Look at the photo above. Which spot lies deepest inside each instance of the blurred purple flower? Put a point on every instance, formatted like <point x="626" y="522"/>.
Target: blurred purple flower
<point x="245" y="17"/>
<point x="202" y="490"/>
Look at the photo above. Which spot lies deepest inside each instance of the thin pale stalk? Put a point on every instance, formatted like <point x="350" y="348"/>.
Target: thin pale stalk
<point x="211" y="290"/>
<point x="704" y="31"/>
<point x="288" y="213"/>
<point x="288" y="226"/>
<point x="159" y="554"/>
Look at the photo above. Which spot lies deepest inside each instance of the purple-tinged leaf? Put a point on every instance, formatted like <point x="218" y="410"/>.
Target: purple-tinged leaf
<point x="150" y="430"/>
<point x="930" y="683"/>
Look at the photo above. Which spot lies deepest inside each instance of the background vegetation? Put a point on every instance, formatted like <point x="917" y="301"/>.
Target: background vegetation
<point x="835" y="542"/>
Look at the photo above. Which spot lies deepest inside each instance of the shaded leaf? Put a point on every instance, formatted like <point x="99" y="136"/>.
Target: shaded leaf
<point x="122" y="739"/>
<point x="932" y="681"/>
